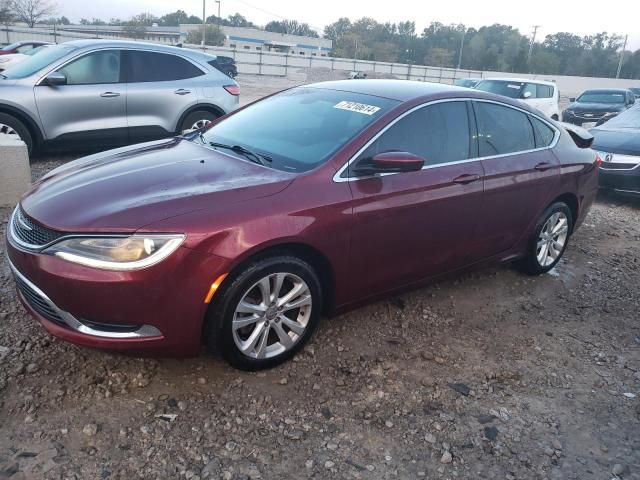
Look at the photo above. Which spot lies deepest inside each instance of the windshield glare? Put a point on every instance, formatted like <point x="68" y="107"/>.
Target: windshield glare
<point x="601" y="97"/>
<point x="300" y="128"/>
<point x="8" y="48"/>
<point x="501" y="87"/>
<point x="38" y="61"/>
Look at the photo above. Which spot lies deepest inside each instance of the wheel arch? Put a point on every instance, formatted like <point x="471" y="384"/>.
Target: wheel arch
<point x="207" y="107"/>
<point x="571" y="200"/>
<point x="29" y="123"/>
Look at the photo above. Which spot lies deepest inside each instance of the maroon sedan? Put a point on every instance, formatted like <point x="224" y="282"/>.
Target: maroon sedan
<point x="311" y="201"/>
<point x="21" y="47"/>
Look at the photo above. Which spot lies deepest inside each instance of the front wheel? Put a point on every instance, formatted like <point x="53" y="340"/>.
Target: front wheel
<point x="549" y="240"/>
<point x="266" y="314"/>
<point x="14" y="128"/>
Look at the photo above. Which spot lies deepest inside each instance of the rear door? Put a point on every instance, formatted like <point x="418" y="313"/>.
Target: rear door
<point x="409" y="226"/>
<point x="91" y="106"/>
<point x="160" y="88"/>
<point x="520" y="172"/>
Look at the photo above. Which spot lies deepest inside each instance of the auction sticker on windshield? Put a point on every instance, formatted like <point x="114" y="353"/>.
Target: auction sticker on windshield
<point x="357" y="107"/>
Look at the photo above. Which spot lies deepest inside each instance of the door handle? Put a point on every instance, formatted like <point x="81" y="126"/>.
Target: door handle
<point x="182" y="91"/>
<point x="542" y="166"/>
<point x="110" y="94"/>
<point x="466" y="178"/>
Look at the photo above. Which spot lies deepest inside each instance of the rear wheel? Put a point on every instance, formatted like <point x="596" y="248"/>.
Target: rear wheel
<point x="196" y="120"/>
<point x="266" y="314"/>
<point x="13" y="127"/>
<point x="549" y="240"/>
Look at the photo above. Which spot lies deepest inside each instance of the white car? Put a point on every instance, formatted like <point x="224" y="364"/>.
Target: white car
<point x="12" y="59"/>
<point x="539" y="94"/>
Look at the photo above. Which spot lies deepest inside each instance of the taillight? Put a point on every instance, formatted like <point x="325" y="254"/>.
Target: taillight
<point x="232" y="89"/>
<point x="598" y="161"/>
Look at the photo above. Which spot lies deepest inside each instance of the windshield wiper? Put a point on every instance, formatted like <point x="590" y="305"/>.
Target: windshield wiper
<point x="255" y="157"/>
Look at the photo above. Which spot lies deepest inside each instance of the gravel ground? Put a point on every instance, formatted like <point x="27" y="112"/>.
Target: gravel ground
<point x="487" y="375"/>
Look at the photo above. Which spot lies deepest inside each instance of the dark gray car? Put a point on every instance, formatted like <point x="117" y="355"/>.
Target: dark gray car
<point x="103" y="93"/>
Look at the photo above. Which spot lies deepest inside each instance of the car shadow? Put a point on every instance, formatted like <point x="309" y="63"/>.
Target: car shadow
<point x="612" y="198"/>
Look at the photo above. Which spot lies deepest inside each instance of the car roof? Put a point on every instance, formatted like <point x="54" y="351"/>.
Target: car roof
<point x="402" y="90"/>
<point x="606" y="90"/>
<point x="515" y="79"/>
<point x="89" y="43"/>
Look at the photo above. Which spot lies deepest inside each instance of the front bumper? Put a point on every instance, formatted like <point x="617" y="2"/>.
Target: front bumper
<point x="156" y="310"/>
<point x="580" y="119"/>
<point x="625" y="181"/>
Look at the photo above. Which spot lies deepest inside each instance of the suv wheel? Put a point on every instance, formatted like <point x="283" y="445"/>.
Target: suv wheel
<point x="266" y="313"/>
<point x="196" y="120"/>
<point x="12" y="126"/>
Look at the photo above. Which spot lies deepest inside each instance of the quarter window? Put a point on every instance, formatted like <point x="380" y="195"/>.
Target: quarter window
<point x="543" y="132"/>
<point x="502" y="130"/>
<point x="439" y="133"/>
<point x="159" y="67"/>
<point x="95" y="68"/>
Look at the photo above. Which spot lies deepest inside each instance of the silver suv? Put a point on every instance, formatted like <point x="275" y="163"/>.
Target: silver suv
<point x="102" y="93"/>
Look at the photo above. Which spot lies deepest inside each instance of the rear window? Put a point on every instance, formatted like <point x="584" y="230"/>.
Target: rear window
<point x="300" y="128"/>
<point x="501" y="87"/>
<point x="159" y="67"/>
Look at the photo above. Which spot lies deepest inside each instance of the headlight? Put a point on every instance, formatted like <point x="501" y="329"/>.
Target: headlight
<point x="116" y="253"/>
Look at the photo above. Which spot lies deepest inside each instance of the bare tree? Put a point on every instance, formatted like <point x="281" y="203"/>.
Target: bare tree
<point x="32" y="11"/>
<point x="5" y="12"/>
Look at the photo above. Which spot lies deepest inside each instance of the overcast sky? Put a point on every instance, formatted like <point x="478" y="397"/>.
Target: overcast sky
<point x="614" y="16"/>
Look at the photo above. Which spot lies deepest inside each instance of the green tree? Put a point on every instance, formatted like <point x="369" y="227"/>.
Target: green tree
<point x="213" y="37"/>
<point x="292" y="27"/>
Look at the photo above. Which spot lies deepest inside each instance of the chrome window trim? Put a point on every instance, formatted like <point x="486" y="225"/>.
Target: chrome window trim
<point x="338" y="179"/>
<point x="73" y="323"/>
<point x="64" y="63"/>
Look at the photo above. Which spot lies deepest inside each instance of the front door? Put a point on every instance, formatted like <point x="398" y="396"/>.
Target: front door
<point x="409" y="226"/>
<point x="520" y="173"/>
<point x="92" y="106"/>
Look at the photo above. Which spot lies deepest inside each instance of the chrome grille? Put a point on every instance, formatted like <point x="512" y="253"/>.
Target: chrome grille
<point x="30" y="233"/>
<point x="38" y="303"/>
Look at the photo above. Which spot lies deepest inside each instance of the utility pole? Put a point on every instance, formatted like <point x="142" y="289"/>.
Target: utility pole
<point x="624" y="47"/>
<point x="204" y="23"/>
<point x="464" y="34"/>
<point x="533" y="39"/>
<point x="219" y="17"/>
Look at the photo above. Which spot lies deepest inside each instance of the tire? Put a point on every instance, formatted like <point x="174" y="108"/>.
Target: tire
<point x="224" y="330"/>
<point x="199" y="117"/>
<point x="549" y="240"/>
<point x="12" y="126"/>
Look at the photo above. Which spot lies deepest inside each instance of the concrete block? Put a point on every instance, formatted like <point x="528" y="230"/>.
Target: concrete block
<point x="15" y="172"/>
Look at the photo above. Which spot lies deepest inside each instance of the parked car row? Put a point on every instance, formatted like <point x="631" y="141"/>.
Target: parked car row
<point x="103" y="93"/>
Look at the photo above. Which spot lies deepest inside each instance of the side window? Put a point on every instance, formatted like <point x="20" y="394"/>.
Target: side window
<point x="545" y="91"/>
<point x="94" y="68"/>
<point x="502" y="130"/>
<point x="159" y="67"/>
<point x="530" y="88"/>
<point x="25" y="48"/>
<point x="439" y="133"/>
<point x="543" y="132"/>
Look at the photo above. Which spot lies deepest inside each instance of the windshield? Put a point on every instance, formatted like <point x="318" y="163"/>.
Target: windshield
<point x="38" y="61"/>
<point x="601" y="97"/>
<point x="465" y="82"/>
<point x="501" y="87"/>
<point x="299" y="128"/>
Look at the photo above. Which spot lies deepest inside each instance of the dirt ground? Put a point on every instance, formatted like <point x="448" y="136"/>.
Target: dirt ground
<point x="489" y="375"/>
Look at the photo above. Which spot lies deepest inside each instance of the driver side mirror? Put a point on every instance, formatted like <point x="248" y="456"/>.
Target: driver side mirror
<point x="390" y="162"/>
<point x="526" y="95"/>
<point x="572" y="99"/>
<point x="55" y="79"/>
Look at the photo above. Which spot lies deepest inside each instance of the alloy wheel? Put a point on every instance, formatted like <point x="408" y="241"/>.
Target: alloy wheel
<point x="200" y="124"/>
<point x="9" y="130"/>
<point x="272" y="315"/>
<point x="552" y="239"/>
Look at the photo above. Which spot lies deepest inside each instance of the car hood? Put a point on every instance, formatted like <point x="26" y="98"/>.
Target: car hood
<point x="126" y="189"/>
<point x="596" y="107"/>
<point x="625" y="141"/>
